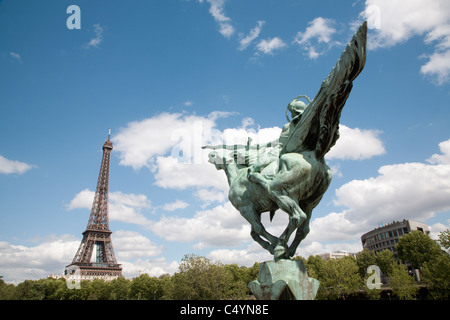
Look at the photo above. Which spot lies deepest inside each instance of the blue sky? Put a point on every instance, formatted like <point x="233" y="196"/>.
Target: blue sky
<point x="176" y="74"/>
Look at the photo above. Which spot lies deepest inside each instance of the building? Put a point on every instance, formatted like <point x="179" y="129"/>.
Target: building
<point x="336" y="255"/>
<point x="386" y="237"/>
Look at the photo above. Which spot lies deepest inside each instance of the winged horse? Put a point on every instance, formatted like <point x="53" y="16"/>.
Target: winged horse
<point x="295" y="177"/>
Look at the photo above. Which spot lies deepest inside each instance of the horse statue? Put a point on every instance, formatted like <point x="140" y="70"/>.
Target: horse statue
<point x="290" y="173"/>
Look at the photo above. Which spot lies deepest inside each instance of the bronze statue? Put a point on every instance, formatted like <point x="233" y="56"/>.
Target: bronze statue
<point x="292" y="175"/>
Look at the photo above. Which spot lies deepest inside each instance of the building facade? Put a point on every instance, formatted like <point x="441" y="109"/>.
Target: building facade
<point x="386" y="237"/>
<point x="336" y="255"/>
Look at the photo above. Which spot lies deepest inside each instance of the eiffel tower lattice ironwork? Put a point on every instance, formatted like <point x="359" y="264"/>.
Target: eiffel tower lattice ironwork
<point x="97" y="236"/>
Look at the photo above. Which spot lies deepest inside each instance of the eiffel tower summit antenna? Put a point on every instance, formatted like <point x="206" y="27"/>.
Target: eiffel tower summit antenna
<point x="97" y="234"/>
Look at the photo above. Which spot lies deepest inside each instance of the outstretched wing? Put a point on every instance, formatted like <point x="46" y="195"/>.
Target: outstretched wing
<point x="318" y="128"/>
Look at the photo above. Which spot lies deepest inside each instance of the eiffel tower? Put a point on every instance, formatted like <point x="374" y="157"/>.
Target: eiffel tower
<point x="97" y="236"/>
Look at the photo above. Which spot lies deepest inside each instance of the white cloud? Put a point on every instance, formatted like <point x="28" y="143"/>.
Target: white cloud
<point x="16" y="56"/>
<point x="437" y="228"/>
<point x="416" y="191"/>
<point x="410" y="190"/>
<point x="173" y="174"/>
<point x="438" y="66"/>
<point x="399" y="21"/>
<point x="135" y="252"/>
<point x="243" y="257"/>
<point x="356" y="144"/>
<point x="176" y="132"/>
<point x="220" y="226"/>
<point x="217" y="11"/>
<point x="335" y="227"/>
<point x="211" y="195"/>
<point x="130" y="245"/>
<point x="178" y="204"/>
<point x="18" y="262"/>
<point x="443" y="158"/>
<point x="95" y="42"/>
<point x="270" y="45"/>
<point x="122" y="207"/>
<point x="153" y="267"/>
<point x="315" y="247"/>
<point x="13" y="166"/>
<point x="254" y="33"/>
<point x="317" y="37"/>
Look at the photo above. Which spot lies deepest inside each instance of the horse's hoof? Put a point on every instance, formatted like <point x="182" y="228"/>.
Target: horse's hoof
<point x="279" y="252"/>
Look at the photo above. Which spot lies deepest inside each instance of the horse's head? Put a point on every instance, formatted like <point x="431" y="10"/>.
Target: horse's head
<point x="219" y="160"/>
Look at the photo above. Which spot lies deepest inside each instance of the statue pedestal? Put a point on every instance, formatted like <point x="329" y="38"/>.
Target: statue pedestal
<point x="284" y="280"/>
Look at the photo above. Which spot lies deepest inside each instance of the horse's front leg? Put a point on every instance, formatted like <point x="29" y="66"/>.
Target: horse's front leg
<point x="296" y="218"/>
<point x="302" y="232"/>
<point x="265" y="244"/>
<point x="258" y="230"/>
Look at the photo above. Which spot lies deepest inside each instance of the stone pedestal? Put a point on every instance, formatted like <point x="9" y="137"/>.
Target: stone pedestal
<point x="284" y="280"/>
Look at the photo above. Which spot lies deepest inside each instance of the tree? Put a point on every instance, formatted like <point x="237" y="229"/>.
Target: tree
<point x="338" y="278"/>
<point x="315" y="267"/>
<point x="403" y="285"/>
<point x="198" y="278"/>
<point x="119" y="289"/>
<point x="145" y="287"/>
<point x="385" y="260"/>
<point x="372" y="292"/>
<point x="7" y="291"/>
<point x="241" y="277"/>
<point x="436" y="274"/>
<point x="364" y="259"/>
<point x="416" y="248"/>
<point x="99" y="290"/>
<point x="444" y="239"/>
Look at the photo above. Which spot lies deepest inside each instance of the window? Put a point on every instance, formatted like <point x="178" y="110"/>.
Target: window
<point x="405" y="230"/>
<point x="391" y="234"/>
<point x="400" y="232"/>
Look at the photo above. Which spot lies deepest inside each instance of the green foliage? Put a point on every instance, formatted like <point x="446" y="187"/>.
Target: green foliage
<point x="371" y="293"/>
<point x="403" y="285"/>
<point x="416" y="248"/>
<point x="364" y="259"/>
<point x="338" y="278"/>
<point x="145" y="287"/>
<point x="315" y="267"/>
<point x="7" y="291"/>
<point x="200" y="278"/>
<point x="444" y="239"/>
<point x="385" y="260"/>
<point x="119" y="289"/>
<point x="436" y="274"/>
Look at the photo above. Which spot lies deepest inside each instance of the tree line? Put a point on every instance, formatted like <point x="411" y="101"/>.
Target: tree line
<point x="199" y="278"/>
